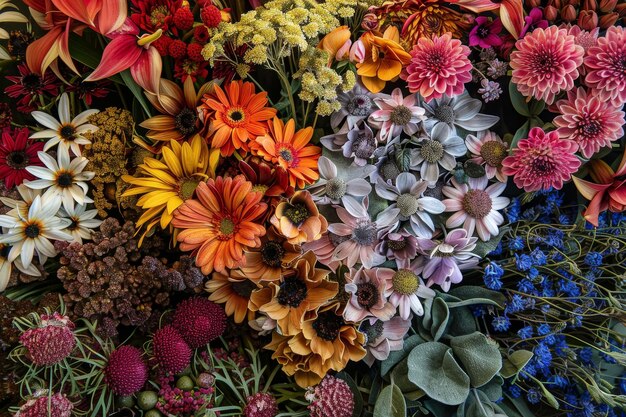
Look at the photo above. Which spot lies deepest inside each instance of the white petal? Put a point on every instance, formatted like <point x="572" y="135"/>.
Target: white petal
<point x="358" y="187"/>
<point x="326" y="167"/>
<point x="46" y="120"/>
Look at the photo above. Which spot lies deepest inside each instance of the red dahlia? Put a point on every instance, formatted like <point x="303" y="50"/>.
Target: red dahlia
<point x="151" y="15"/>
<point x="126" y="372"/>
<point x="199" y="321"/>
<point x="17" y="152"/>
<point x="170" y="349"/>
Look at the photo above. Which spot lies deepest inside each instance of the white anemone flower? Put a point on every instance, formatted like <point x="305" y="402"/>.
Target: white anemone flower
<point x="64" y="180"/>
<point x="66" y="132"/>
<point x="33" y="233"/>
<point x="334" y="185"/>
<point x="82" y="222"/>
<point x="440" y="149"/>
<point x="462" y="111"/>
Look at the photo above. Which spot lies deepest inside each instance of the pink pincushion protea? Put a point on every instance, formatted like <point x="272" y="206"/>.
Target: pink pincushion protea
<point x="55" y="405"/>
<point x="588" y="120"/>
<point x="541" y="161"/>
<point x="545" y="63"/>
<point x="606" y="66"/>
<point x="170" y="350"/>
<point x="51" y="342"/>
<point x="126" y="372"/>
<point x="199" y="321"/>
<point x="331" y="398"/>
<point x="438" y="66"/>
<point x="261" y="404"/>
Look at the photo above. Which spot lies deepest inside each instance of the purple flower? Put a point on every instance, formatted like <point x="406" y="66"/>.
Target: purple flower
<point x="383" y="337"/>
<point x="399" y="246"/>
<point x="534" y="20"/>
<point x="485" y="33"/>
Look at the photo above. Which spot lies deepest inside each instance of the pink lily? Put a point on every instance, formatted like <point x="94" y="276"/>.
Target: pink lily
<point x="61" y="17"/>
<point x="511" y="12"/>
<point x="129" y="50"/>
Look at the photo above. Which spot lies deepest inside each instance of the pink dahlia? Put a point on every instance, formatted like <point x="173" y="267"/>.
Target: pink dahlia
<point x="261" y="404"/>
<point x="55" y="405"/>
<point x="331" y="398"/>
<point x="606" y="66"/>
<point x="588" y="120"/>
<point x="199" y="321"/>
<point x="396" y="114"/>
<point x="541" y="161"/>
<point x="126" y="372"/>
<point x="170" y="350"/>
<point x="438" y="66"/>
<point x="545" y="63"/>
<point x="51" y="342"/>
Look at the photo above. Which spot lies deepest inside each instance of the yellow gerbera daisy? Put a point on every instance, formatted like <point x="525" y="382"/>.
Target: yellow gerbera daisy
<point x="166" y="183"/>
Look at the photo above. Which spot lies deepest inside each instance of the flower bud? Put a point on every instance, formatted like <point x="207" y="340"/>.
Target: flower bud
<point x="608" y="20"/>
<point x="588" y="20"/>
<point x="370" y="22"/>
<point x="551" y="13"/>
<point x="557" y="3"/>
<point x="607" y="6"/>
<point x="357" y="52"/>
<point x="533" y="3"/>
<point x="568" y="14"/>
<point x="590" y="5"/>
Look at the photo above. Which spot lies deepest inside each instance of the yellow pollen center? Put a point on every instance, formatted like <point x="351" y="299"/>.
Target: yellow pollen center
<point x="227" y="226"/>
<point x="187" y="188"/>
<point x="405" y="282"/>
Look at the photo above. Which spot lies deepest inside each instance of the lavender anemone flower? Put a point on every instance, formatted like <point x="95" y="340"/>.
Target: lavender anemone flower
<point x="445" y="260"/>
<point x="396" y="114"/>
<point x="405" y="287"/>
<point x="382" y="337"/>
<point x="400" y="246"/>
<point x="358" y="142"/>
<point x="462" y="111"/>
<point x="356" y="105"/>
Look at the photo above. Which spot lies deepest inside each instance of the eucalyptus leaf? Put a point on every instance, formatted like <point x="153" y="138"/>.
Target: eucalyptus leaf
<point x="400" y="377"/>
<point x="469" y="292"/>
<point x="493" y="389"/>
<point x="434" y="370"/>
<point x="515" y="362"/>
<point x="438" y="409"/>
<point x="462" y="321"/>
<point x="390" y="403"/>
<point x="518" y="100"/>
<point x="397" y="355"/>
<point x="440" y="315"/>
<point x="520" y="134"/>
<point x="480" y="357"/>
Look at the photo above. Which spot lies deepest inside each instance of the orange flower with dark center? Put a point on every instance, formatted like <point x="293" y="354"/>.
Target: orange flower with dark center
<point x="220" y="223"/>
<point x="234" y="291"/>
<point x="299" y="220"/>
<point x="291" y="150"/>
<point x="266" y="262"/>
<point x="236" y="115"/>
<point x="303" y="289"/>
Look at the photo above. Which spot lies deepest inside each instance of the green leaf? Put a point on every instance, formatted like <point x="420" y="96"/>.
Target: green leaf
<point x="518" y="100"/>
<point x="547" y="395"/>
<point x="396" y="356"/>
<point x="493" y="389"/>
<point x="439" y="314"/>
<point x="469" y="292"/>
<point x="462" y="322"/>
<point x="482" y="249"/>
<point x="400" y="378"/>
<point x="515" y="363"/>
<point x="535" y="122"/>
<point x="521" y="133"/>
<point x="480" y="357"/>
<point x="434" y="370"/>
<point x="136" y="90"/>
<point x="536" y="107"/>
<point x="390" y="403"/>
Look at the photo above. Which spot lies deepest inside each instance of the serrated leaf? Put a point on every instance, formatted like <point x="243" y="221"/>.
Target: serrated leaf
<point x="518" y="100"/>
<point x="390" y="403"/>
<point x="515" y="362"/>
<point x="480" y="357"/>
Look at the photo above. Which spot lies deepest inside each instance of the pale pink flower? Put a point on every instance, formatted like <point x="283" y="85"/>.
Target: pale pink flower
<point x="405" y="288"/>
<point x="396" y="114"/>
<point x="488" y="150"/>
<point x="588" y="120"/>
<point x="606" y="66"/>
<point x="382" y="337"/>
<point x="584" y="38"/>
<point x="400" y="246"/>
<point x="545" y="63"/>
<point x="438" y="66"/>
<point x="445" y="260"/>
<point x="324" y="249"/>
<point x="367" y="296"/>
<point x="357" y="52"/>
<point x="541" y="161"/>
<point x="475" y="206"/>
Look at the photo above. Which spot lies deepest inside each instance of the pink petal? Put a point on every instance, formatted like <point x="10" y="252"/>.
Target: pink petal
<point x="146" y="71"/>
<point x="119" y="54"/>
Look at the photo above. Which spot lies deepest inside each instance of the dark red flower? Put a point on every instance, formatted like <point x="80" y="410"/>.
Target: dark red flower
<point x="272" y="182"/>
<point x="151" y="15"/>
<point x="126" y="372"/>
<point x="17" y="152"/>
<point x="226" y="68"/>
<point x="170" y="350"/>
<point x="199" y="321"/>
<point x="87" y="91"/>
<point x="27" y="86"/>
<point x="51" y="342"/>
<point x="187" y="68"/>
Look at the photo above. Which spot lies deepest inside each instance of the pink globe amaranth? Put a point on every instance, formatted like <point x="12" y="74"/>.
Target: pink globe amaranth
<point x="126" y="372"/>
<point x="57" y="405"/>
<point x="199" y="321"/>
<point x="170" y="349"/>
<point x="606" y="66"/>
<point x="261" y="404"/>
<point x="331" y="398"/>
<point x="51" y="342"/>
<point x="438" y="66"/>
<point x="541" y="161"/>
<point x="545" y="63"/>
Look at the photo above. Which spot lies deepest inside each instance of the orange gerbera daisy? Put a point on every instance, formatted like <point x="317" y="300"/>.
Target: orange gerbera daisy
<point x="234" y="292"/>
<point x="291" y="150"/>
<point x="303" y="289"/>
<point x="383" y="60"/>
<point x="237" y="114"/>
<point x="266" y="262"/>
<point x="220" y="223"/>
<point x="298" y="219"/>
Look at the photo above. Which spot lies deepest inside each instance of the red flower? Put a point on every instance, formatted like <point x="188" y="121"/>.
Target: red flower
<point x="16" y="153"/>
<point x="188" y="68"/>
<point x="152" y="15"/>
<point x="28" y="86"/>
<point x="271" y="182"/>
<point x="89" y="91"/>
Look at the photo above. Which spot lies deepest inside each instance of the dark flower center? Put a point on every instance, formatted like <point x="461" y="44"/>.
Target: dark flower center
<point x="65" y="179"/>
<point x="227" y="226"/>
<point x="17" y="160"/>
<point x="286" y="154"/>
<point x="67" y="131"/>
<point x="297" y="213"/>
<point x="328" y="325"/>
<point x="186" y="121"/>
<point x="367" y="295"/>
<point x="359" y="105"/>
<point x="444" y="113"/>
<point x="400" y="115"/>
<point x="364" y="233"/>
<point x="32" y="231"/>
<point x="18" y="42"/>
<point x="389" y="170"/>
<point x="292" y="292"/>
<point x="32" y="82"/>
<point x="243" y="288"/>
<point x="483" y="32"/>
<point x="493" y="152"/>
<point x="589" y="127"/>
<point x="272" y="253"/>
<point x="542" y="167"/>
<point x="363" y="145"/>
<point x="74" y="225"/>
<point x="545" y="63"/>
<point x="235" y="115"/>
<point x="336" y="188"/>
<point x="477" y="203"/>
<point x="372" y="331"/>
<point x="431" y="151"/>
<point x="396" y="245"/>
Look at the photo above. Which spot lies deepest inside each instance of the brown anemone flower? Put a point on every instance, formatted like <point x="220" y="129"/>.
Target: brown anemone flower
<point x="298" y="219"/>
<point x="302" y="289"/>
<point x="266" y="262"/>
<point x="234" y="291"/>
<point x="293" y="364"/>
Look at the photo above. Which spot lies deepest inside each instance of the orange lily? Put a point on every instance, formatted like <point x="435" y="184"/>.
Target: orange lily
<point x="61" y="17"/>
<point x="127" y="50"/>
<point x="511" y="12"/>
<point x="608" y="191"/>
<point x="337" y="43"/>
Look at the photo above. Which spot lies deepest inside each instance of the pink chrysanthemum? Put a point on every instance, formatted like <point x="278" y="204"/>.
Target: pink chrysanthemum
<point x="588" y="120"/>
<point x="331" y="398"/>
<point x="199" y="321"/>
<point x="545" y="63"/>
<point x="261" y="404"/>
<point x="170" y="350"/>
<point x="541" y="161"/>
<point x="51" y="342"/>
<point x="55" y="405"/>
<point x="438" y="66"/>
<point x="606" y="66"/>
<point x="126" y="372"/>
